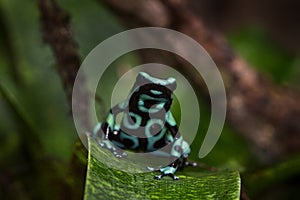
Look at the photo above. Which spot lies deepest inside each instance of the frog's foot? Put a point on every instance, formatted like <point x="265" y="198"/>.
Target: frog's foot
<point x="190" y="164"/>
<point x="167" y="171"/>
<point x="151" y="169"/>
<point x="111" y="147"/>
<point x="159" y="177"/>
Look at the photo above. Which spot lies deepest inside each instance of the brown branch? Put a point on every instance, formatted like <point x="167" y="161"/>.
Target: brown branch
<point x="56" y="31"/>
<point x="148" y="12"/>
<point x="264" y="113"/>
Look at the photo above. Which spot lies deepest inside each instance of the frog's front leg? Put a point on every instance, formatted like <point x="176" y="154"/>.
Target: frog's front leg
<point x="102" y="134"/>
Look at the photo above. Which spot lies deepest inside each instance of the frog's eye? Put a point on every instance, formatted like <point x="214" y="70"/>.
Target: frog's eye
<point x="141" y="78"/>
<point x="144" y="78"/>
<point x="172" y="84"/>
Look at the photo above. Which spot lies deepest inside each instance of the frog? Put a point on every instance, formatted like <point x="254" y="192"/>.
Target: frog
<point x="147" y="124"/>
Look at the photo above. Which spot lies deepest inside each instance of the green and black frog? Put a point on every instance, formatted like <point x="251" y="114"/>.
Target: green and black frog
<point x="147" y="124"/>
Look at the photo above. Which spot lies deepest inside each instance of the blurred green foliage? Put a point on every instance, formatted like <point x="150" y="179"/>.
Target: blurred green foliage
<point x="37" y="134"/>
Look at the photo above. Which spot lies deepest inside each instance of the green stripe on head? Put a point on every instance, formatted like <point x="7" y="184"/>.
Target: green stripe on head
<point x="144" y="78"/>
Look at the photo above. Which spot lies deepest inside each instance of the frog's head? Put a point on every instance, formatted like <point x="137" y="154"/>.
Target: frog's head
<point x="151" y="94"/>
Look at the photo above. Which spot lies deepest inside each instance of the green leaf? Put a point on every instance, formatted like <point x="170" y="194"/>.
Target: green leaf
<point x="103" y="182"/>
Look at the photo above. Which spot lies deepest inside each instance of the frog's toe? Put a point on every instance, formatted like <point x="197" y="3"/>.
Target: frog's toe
<point x="158" y="177"/>
<point x="192" y="164"/>
<point x="117" y="154"/>
<point x="107" y="144"/>
<point x="101" y="144"/>
<point x="124" y="154"/>
<point x="172" y="176"/>
<point x="150" y="169"/>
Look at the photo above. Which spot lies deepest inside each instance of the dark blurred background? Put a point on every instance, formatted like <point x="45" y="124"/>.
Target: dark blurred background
<point x="40" y="156"/>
